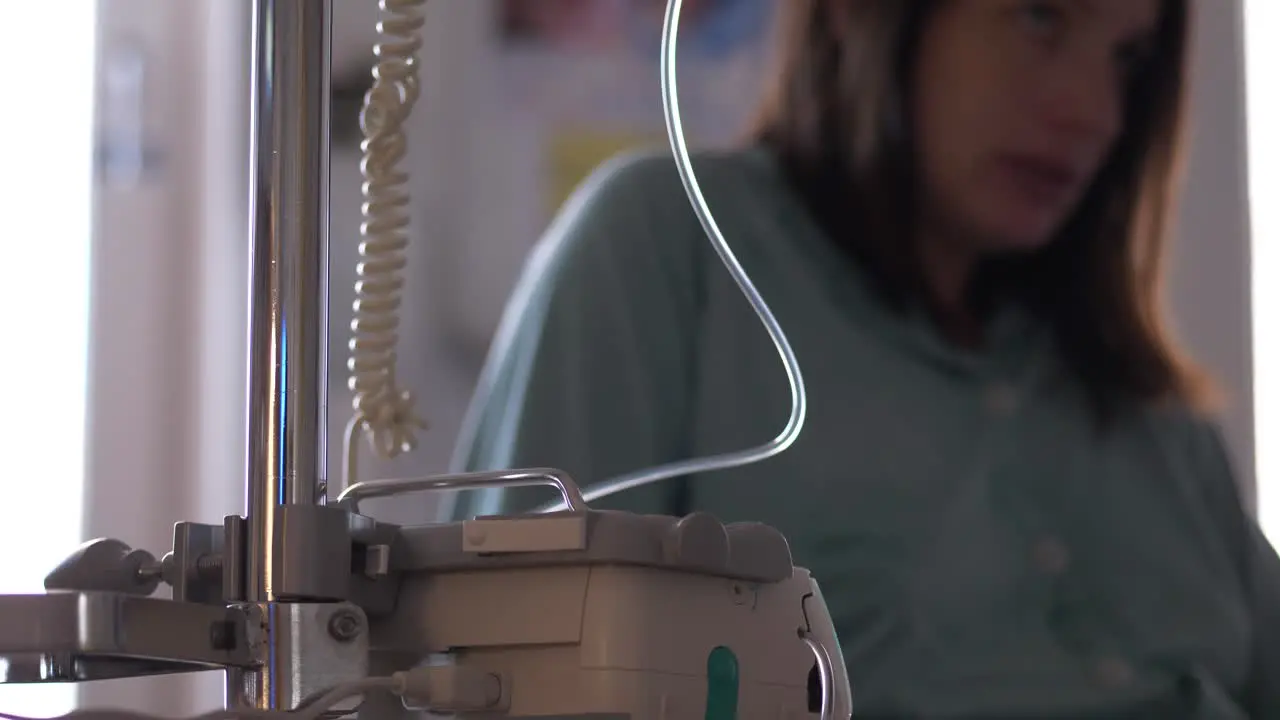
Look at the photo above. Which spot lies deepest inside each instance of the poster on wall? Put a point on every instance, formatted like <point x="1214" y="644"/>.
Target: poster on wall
<point x="584" y="75"/>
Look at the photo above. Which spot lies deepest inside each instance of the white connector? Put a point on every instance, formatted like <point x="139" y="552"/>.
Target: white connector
<point x="448" y="689"/>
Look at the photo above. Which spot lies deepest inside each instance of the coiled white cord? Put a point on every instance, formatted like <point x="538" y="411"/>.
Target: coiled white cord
<point x="799" y="402"/>
<point x="383" y="411"/>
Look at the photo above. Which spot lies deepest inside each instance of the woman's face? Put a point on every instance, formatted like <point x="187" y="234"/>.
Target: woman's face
<point x="1017" y="104"/>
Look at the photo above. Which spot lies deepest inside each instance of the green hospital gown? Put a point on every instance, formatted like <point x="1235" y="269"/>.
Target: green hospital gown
<point x="985" y="550"/>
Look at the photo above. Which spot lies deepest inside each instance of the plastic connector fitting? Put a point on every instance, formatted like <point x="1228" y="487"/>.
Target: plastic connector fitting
<point x="448" y="689"/>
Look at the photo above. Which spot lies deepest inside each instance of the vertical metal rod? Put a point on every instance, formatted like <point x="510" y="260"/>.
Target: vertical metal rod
<point x="288" y="271"/>
<point x="288" y="298"/>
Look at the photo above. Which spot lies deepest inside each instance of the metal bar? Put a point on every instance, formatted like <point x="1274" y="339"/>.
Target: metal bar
<point x="288" y="271"/>
<point x="288" y="297"/>
<point x="112" y="635"/>
<point x="570" y="495"/>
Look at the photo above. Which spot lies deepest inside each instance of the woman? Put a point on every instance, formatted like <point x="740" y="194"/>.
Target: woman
<point x="1010" y="486"/>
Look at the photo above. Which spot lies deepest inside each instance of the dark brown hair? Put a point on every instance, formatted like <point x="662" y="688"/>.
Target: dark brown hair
<point x="837" y="118"/>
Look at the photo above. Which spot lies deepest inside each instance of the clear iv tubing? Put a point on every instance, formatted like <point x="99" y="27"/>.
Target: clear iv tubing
<point x="799" y="403"/>
<point x="382" y="410"/>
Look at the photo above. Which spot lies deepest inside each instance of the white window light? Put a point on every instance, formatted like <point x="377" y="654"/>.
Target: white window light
<point x="46" y="125"/>
<point x="1262" y="56"/>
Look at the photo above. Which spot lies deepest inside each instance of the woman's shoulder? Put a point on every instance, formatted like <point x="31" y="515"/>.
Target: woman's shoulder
<point x="633" y="211"/>
<point x="652" y="175"/>
<point x="1191" y="442"/>
<point x="643" y="190"/>
<point x="1186" y="432"/>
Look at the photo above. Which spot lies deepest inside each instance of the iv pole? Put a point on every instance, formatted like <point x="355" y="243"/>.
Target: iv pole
<point x="289" y="228"/>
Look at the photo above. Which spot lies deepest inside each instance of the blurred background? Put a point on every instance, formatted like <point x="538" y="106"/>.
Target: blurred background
<point x="125" y="210"/>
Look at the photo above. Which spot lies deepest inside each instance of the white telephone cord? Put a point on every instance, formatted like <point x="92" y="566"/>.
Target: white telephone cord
<point x="383" y="412"/>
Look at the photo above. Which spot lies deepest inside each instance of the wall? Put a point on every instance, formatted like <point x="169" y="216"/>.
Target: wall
<point x="1264" y="171"/>
<point x="1209" y="291"/>
<point x="166" y="390"/>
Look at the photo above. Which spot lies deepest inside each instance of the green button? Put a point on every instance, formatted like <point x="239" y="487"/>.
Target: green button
<point x="722" y="685"/>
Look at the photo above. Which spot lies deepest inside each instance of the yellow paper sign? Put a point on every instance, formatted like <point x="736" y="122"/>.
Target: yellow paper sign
<point x="573" y="154"/>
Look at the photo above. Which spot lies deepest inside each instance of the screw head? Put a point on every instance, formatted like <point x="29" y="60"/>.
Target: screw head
<point x="344" y="626"/>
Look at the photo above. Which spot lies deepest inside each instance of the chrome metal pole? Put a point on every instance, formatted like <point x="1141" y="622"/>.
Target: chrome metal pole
<point x="288" y="270"/>
<point x="289" y="209"/>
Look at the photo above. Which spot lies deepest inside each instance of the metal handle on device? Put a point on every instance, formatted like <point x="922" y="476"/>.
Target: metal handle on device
<point x="569" y="491"/>
<point x="826" y="676"/>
